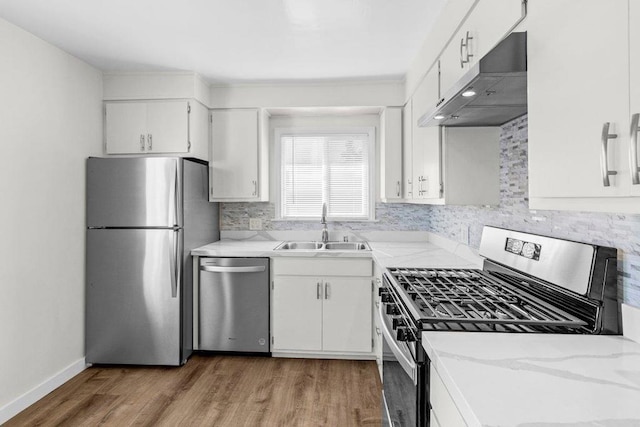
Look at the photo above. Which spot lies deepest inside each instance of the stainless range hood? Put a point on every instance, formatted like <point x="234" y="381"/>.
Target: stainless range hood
<point x="499" y="81"/>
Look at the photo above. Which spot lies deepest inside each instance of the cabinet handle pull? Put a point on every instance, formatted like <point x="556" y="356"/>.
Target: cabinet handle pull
<point x="398" y="188"/>
<point x="465" y="43"/>
<point x="604" y="155"/>
<point x="409" y="188"/>
<point x="141" y="142"/>
<point x="327" y="288"/>
<point x="255" y="188"/>
<point x="633" y="150"/>
<point x="150" y="141"/>
<point x="318" y="290"/>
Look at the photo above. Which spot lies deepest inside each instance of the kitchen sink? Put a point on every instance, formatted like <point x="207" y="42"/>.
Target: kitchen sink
<point x="346" y="246"/>
<point x="329" y="246"/>
<point x="301" y="245"/>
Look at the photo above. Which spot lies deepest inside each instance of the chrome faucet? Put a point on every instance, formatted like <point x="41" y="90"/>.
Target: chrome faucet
<point x="323" y="221"/>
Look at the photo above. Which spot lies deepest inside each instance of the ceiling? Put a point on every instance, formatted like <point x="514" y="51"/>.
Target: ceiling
<point x="235" y="41"/>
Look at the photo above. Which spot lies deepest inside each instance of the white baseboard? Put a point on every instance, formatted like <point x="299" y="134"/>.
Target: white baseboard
<point x="631" y="322"/>
<point x="19" y="404"/>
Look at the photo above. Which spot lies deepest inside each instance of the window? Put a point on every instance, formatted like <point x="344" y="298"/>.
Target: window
<point x="332" y="167"/>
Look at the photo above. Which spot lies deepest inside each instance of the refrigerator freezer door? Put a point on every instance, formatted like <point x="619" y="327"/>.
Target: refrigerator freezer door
<point x="132" y="315"/>
<point x="134" y="192"/>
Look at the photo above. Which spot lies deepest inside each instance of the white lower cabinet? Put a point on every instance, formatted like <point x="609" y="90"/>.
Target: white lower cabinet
<point x="377" y="331"/>
<point x="321" y="306"/>
<point x="444" y="411"/>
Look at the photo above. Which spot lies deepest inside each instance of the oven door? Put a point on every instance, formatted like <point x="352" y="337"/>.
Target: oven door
<point x="399" y="379"/>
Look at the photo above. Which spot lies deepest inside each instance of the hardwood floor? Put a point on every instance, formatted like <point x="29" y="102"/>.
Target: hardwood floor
<point x="216" y="391"/>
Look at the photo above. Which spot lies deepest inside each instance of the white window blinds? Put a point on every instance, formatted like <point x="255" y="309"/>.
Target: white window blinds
<point x="325" y="168"/>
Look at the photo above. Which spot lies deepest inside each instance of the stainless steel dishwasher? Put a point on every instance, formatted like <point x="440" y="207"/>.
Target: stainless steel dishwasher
<point x="234" y="305"/>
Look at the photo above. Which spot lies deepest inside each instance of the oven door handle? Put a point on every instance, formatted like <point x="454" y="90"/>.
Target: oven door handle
<point x="408" y="365"/>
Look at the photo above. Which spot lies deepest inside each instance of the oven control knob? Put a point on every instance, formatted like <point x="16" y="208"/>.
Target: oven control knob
<point x="403" y="334"/>
<point x="386" y="297"/>
<point x="398" y="321"/>
<point x="392" y="309"/>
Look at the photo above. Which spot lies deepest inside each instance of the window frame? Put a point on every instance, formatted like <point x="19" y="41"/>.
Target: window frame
<point x="298" y="131"/>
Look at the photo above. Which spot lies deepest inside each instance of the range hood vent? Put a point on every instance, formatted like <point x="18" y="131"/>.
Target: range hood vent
<point x="499" y="80"/>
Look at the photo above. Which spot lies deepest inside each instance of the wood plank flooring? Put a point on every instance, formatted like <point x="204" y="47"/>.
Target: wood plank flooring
<point x="216" y="391"/>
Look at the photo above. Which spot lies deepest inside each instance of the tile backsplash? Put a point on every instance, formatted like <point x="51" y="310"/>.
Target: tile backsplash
<point x="621" y="231"/>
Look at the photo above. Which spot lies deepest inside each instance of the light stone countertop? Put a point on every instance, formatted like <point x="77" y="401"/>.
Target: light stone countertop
<point x="501" y="379"/>
<point x="386" y="254"/>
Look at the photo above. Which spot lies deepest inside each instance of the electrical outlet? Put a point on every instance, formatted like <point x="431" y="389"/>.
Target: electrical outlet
<point x="255" y="224"/>
<point x="464" y="234"/>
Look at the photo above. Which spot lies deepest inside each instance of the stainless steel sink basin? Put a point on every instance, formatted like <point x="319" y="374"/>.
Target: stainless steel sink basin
<point x="329" y="246"/>
<point x="300" y="245"/>
<point x="346" y="246"/>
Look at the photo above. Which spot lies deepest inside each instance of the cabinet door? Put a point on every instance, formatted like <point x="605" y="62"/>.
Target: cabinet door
<point x="426" y="141"/>
<point x="407" y="152"/>
<point x="297" y="313"/>
<point x="347" y="314"/>
<point x="391" y="154"/>
<point x="234" y="154"/>
<point x="634" y="51"/>
<point x="577" y="82"/>
<point x="125" y="127"/>
<point x="479" y="33"/>
<point x="167" y="127"/>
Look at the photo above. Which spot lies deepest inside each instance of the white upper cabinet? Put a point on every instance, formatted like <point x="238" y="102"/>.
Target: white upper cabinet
<point x="634" y="91"/>
<point x="583" y="92"/>
<point x="488" y="22"/>
<point x="407" y="151"/>
<point x="239" y="156"/>
<point x="426" y="141"/>
<point x="156" y="127"/>
<point x="391" y="154"/>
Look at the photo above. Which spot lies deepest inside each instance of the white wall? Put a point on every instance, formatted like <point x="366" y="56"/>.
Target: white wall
<point x="350" y="94"/>
<point x="50" y="121"/>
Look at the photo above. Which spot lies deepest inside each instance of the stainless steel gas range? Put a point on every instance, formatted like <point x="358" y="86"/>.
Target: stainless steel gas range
<point x="528" y="284"/>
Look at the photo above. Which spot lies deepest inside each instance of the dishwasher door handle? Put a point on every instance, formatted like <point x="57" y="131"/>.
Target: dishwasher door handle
<point x="217" y="269"/>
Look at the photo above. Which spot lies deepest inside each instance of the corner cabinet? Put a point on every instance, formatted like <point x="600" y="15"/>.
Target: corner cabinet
<point x="391" y="155"/>
<point x="156" y="127"/>
<point x="583" y="97"/>
<point x="239" y="156"/>
<point x="321" y="307"/>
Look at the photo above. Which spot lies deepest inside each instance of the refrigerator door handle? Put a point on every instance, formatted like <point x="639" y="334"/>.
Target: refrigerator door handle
<point x="178" y="194"/>
<point x="176" y="263"/>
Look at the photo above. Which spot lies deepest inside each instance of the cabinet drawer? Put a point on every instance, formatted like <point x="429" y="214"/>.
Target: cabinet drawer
<point x="322" y="266"/>
<point x="442" y="406"/>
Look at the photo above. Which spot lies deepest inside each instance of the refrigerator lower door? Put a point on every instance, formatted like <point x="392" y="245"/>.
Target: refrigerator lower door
<point x="133" y="297"/>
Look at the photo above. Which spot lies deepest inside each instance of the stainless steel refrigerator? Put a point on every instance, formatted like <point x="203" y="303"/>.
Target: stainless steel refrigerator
<point x="144" y="215"/>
